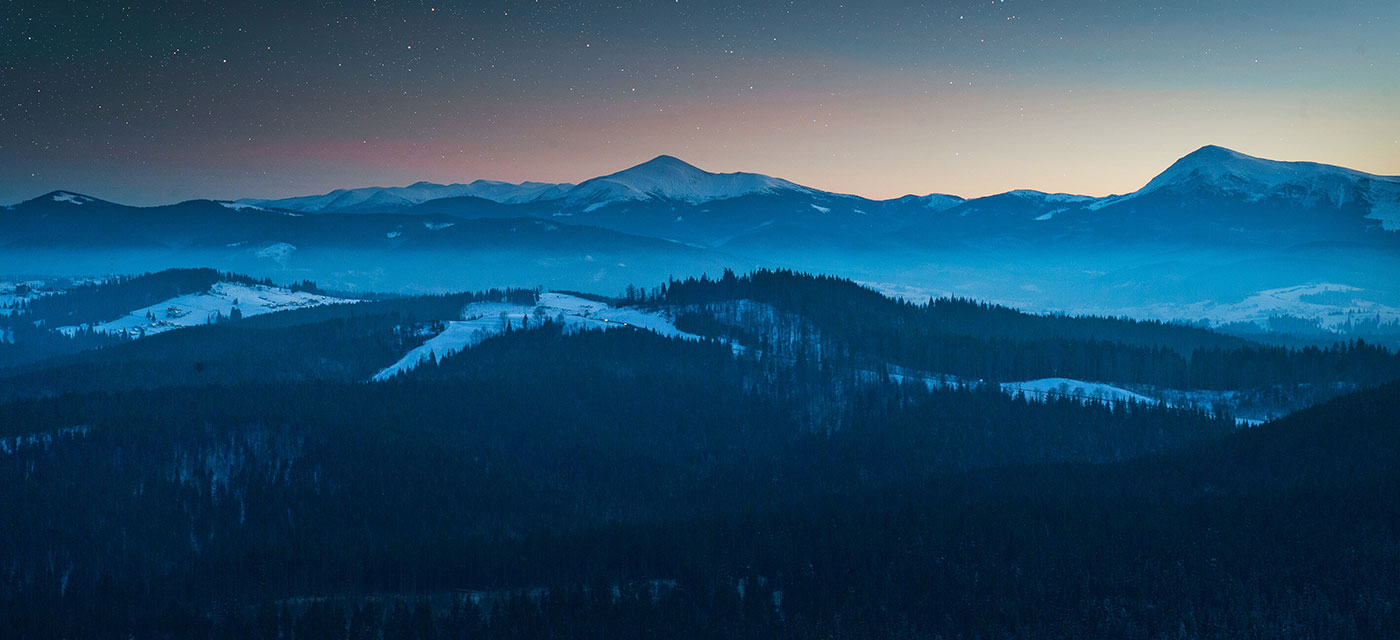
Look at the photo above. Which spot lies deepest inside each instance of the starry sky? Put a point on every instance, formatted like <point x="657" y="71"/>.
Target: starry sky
<point x="153" y="102"/>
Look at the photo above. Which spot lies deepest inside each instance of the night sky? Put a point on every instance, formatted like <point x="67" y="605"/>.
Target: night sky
<point x="152" y="102"/>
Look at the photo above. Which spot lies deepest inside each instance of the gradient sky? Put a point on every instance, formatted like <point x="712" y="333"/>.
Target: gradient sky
<point x="153" y="102"/>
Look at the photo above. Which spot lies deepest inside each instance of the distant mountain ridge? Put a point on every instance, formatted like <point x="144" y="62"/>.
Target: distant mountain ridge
<point x="1216" y="232"/>
<point x="1212" y="195"/>
<point x="661" y="178"/>
<point x="667" y="178"/>
<point x="371" y="199"/>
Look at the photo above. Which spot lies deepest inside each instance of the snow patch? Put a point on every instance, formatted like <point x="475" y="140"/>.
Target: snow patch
<point x="668" y="178"/>
<point x="482" y="320"/>
<point x="241" y="206"/>
<point x="71" y="198"/>
<point x="205" y="307"/>
<point x="1286" y="301"/>
<point x="1048" y="388"/>
<point x="438" y="226"/>
<point x="1388" y="213"/>
<point x="277" y="252"/>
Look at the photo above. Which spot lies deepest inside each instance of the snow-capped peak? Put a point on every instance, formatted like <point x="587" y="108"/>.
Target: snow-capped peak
<point x="669" y="178"/>
<point x="1231" y="171"/>
<point x="1225" y="171"/>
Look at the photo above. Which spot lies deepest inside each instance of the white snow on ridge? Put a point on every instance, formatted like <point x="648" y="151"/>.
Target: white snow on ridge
<point x="1058" y="198"/>
<point x="201" y="308"/>
<point x="1286" y="301"/>
<point x="482" y="320"/>
<point x="240" y="206"/>
<point x="1295" y="301"/>
<point x="71" y="198"/>
<point x="1257" y="178"/>
<point x="1047" y="388"/>
<point x="417" y="193"/>
<point x="673" y="179"/>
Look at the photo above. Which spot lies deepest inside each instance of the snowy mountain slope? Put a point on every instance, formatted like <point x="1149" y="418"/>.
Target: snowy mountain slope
<point x="1223" y="172"/>
<point x="482" y="320"/>
<point x="663" y="178"/>
<point x="1211" y="195"/>
<point x="1234" y="172"/>
<point x="934" y="202"/>
<point x="1331" y="305"/>
<point x="205" y="307"/>
<point x="380" y="199"/>
<point x="669" y="178"/>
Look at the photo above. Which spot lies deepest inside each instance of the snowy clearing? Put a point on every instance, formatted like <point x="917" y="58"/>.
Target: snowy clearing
<point x="482" y="320"/>
<point x="1332" y="306"/>
<point x="202" y="308"/>
<point x="1046" y="388"/>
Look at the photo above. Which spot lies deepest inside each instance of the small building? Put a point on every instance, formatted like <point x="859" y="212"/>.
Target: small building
<point x="23" y="289"/>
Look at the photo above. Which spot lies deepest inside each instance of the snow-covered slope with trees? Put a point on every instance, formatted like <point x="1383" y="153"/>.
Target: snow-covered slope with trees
<point x="223" y="300"/>
<point x="482" y="320"/>
<point x="1056" y="388"/>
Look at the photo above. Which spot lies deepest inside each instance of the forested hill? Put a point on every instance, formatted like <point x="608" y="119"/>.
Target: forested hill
<point x="772" y="455"/>
<point x="832" y="302"/>
<point x="835" y="320"/>
<point x="782" y="318"/>
<point x="111" y="298"/>
<point x="621" y="484"/>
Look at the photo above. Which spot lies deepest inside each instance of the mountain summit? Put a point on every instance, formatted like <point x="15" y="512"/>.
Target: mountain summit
<point x="670" y="178"/>
<point x="1217" y="172"/>
<point x="1231" y="171"/>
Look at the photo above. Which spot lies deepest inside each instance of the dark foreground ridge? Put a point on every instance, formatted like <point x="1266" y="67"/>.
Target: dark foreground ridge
<point x="791" y="474"/>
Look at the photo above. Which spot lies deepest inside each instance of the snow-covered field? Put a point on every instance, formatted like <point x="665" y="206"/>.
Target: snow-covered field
<point x="1333" y="306"/>
<point x="1047" y="388"/>
<point x="482" y="320"/>
<point x="202" y="308"/>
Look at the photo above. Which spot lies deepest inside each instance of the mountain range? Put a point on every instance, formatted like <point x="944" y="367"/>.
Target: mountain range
<point x="1211" y="175"/>
<point x="1216" y="228"/>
